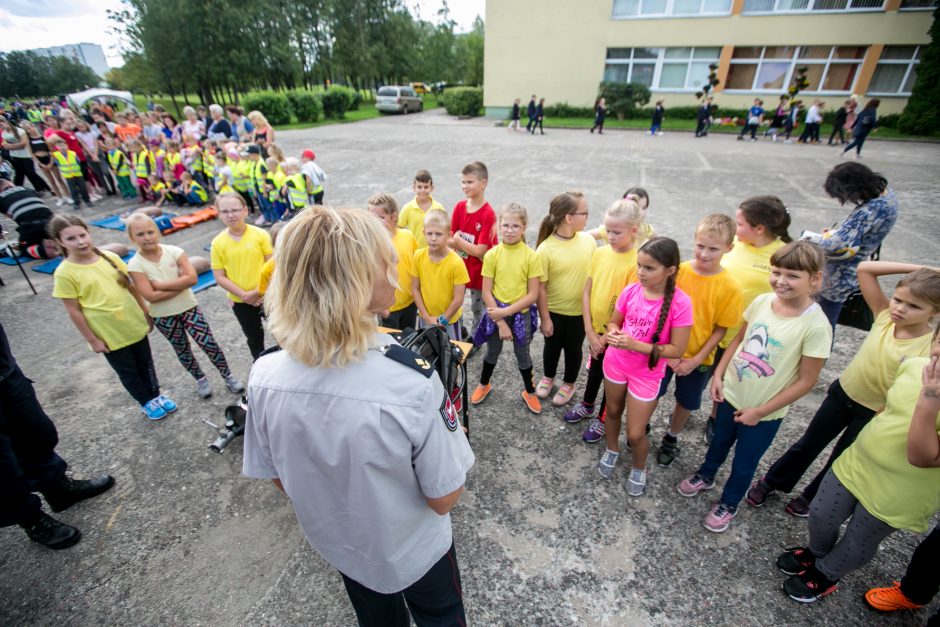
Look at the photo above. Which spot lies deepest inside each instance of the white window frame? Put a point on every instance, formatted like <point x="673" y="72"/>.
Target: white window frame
<point x="668" y="12"/>
<point x="660" y="61"/>
<point x="809" y="9"/>
<point x="910" y="63"/>
<point x="795" y="61"/>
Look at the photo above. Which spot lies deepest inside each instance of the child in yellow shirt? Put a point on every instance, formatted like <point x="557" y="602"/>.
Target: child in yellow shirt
<point x="403" y="313"/>
<point x="412" y="214"/>
<point x="439" y="278"/>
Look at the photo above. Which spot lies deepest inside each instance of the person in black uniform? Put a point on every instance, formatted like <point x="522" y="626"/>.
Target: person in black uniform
<point x="31" y="216"/>
<point x="29" y="464"/>
<point x="530" y="111"/>
<point x="704" y="118"/>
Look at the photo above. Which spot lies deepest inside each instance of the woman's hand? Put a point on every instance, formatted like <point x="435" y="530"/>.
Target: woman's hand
<point x="99" y="346"/>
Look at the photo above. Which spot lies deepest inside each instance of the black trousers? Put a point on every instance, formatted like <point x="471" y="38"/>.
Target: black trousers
<point x="406" y="318"/>
<point x="249" y="317"/>
<point x="840" y="129"/>
<point x="134" y="367"/>
<point x="435" y="600"/>
<point x="701" y="128"/>
<point x="857" y="142"/>
<point x="24" y="168"/>
<point x="28" y="462"/>
<point x="837" y="414"/>
<point x="568" y="336"/>
<point x="922" y="579"/>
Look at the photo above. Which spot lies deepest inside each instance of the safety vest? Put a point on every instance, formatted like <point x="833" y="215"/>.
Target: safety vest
<point x="297" y="190"/>
<point x="198" y="189"/>
<point x="118" y="162"/>
<point x="68" y="164"/>
<point x="226" y="188"/>
<point x="144" y="164"/>
<point x="34" y="116"/>
<point x="158" y="187"/>
<point x="240" y="174"/>
<point x="258" y="173"/>
<point x="208" y="165"/>
<point x="196" y="165"/>
<point x="172" y="159"/>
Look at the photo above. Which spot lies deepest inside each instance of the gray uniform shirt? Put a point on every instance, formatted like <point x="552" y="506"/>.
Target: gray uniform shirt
<point x="358" y="449"/>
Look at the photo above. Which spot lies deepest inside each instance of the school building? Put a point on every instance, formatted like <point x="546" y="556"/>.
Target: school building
<point x="561" y="50"/>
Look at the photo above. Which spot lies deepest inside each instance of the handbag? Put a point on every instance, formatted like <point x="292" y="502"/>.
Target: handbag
<point x="855" y="311"/>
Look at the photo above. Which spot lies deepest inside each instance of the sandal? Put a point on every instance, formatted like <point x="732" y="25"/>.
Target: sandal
<point x="544" y="388"/>
<point x="564" y="394"/>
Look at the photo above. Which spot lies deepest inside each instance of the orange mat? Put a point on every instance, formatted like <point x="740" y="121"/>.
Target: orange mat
<point x="201" y="215"/>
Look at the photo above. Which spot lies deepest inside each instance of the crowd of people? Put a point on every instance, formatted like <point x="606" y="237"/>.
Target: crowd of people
<point x="750" y="319"/>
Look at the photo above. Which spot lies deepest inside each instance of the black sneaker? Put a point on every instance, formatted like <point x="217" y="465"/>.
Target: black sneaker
<point x="795" y="561"/>
<point x="798" y="507"/>
<point x="67" y="492"/>
<point x="668" y="451"/>
<point x="758" y="493"/>
<point x="51" y="533"/>
<point x="709" y="430"/>
<point x="809" y="587"/>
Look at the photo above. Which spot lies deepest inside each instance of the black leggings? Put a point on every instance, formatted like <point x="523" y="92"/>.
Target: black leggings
<point x="568" y="335"/>
<point x="24" y="168"/>
<point x="134" y="367"/>
<point x="922" y="579"/>
<point x="249" y="318"/>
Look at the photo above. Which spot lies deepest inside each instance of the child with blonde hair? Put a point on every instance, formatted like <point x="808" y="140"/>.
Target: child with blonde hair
<point x="439" y="278"/>
<point x="403" y="312"/>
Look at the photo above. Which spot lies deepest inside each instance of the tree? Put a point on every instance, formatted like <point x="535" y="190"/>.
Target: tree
<point x="920" y="115"/>
<point x="29" y="75"/>
<point x="624" y="98"/>
<point x="471" y="45"/>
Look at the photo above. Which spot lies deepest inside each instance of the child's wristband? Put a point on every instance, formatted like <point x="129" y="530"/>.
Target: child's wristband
<point x="442" y="320"/>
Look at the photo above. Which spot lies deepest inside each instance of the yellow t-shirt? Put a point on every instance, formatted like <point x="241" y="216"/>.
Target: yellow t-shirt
<point x="565" y="265"/>
<point x="511" y="266"/>
<point x="871" y="372"/>
<point x="751" y="267"/>
<point x="411" y="217"/>
<point x="437" y="280"/>
<point x="111" y="310"/>
<point x="875" y="468"/>
<point x="768" y="360"/>
<point x="716" y="302"/>
<point x="267" y="271"/>
<point x="609" y="274"/>
<point x="405" y="246"/>
<point x="241" y="259"/>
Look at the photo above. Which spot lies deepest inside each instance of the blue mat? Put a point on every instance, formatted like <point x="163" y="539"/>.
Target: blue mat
<point x="10" y="261"/>
<point x="114" y="222"/>
<point x="50" y="266"/>
<point x="204" y="281"/>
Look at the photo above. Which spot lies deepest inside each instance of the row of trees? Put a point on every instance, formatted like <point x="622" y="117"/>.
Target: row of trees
<point x="221" y="49"/>
<point x="29" y="75"/>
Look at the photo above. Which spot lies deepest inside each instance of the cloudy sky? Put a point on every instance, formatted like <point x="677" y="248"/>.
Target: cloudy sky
<point x="28" y="24"/>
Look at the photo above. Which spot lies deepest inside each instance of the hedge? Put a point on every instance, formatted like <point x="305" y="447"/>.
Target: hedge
<point x="305" y="105"/>
<point x="463" y="101"/>
<point x="337" y="100"/>
<point x="275" y="107"/>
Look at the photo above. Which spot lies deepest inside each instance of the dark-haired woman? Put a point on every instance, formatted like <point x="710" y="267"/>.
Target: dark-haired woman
<point x="865" y="123"/>
<point x="600" y="112"/>
<point x="853" y="239"/>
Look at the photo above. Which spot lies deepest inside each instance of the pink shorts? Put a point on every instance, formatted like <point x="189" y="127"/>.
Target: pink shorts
<point x="643" y="387"/>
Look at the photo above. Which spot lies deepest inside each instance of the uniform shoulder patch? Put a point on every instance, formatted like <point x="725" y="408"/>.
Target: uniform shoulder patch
<point x="409" y="358"/>
<point x="449" y="414"/>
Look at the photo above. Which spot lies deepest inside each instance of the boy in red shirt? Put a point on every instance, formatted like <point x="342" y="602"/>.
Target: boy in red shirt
<point x="473" y="231"/>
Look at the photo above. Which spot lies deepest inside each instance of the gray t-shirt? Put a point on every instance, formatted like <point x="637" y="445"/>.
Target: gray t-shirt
<point x="358" y="450"/>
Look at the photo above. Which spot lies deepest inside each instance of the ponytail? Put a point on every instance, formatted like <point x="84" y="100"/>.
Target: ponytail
<point x="666" y="252"/>
<point x="770" y="213"/>
<point x="124" y="279"/>
<point x="561" y="205"/>
<point x="663" y="315"/>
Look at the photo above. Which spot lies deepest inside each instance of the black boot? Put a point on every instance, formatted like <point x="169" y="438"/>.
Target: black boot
<point x="67" y="491"/>
<point x="48" y="531"/>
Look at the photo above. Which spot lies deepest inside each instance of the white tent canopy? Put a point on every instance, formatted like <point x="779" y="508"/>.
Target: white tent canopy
<point x="81" y="97"/>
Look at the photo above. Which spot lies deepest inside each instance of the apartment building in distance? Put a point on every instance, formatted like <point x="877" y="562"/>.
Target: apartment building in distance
<point x="561" y="50"/>
<point x="90" y="55"/>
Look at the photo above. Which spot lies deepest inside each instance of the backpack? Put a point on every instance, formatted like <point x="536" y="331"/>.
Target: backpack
<point x="433" y="345"/>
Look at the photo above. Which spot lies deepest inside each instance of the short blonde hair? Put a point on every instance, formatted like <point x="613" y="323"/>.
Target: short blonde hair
<point x="626" y="209"/>
<point x="133" y="219"/>
<point x="436" y="217"/>
<point x="718" y="224"/>
<point x="385" y="201"/>
<point x="319" y="311"/>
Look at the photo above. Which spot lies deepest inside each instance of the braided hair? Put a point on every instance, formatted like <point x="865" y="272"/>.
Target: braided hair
<point x="60" y="222"/>
<point x="666" y="252"/>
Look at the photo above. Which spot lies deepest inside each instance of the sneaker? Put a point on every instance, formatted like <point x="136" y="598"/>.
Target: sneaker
<point x="66" y="492"/>
<point x="758" y="493"/>
<point x="153" y="409"/>
<point x="709" y="430"/>
<point x="795" y="561"/>
<point x="719" y="519"/>
<point x="668" y="451"/>
<point x="234" y="385"/>
<point x="544" y="388"/>
<point x="564" y="395"/>
<point x="261" y="221"/>
<point x="594" y="432"/>
<point x="809" y="587"/>
<point x="579" y="412"/>
<point x="480" y="393"/>
<point x="636" y="486"/>
<point x="532" y="402"/>
<point x="203" y="389"/>
<point x="606" y="465"/>
<point x="60" y="201"/>
<point x="690" y="486"/>
<point x="52" y="533"/>
<point x="798" y="507"/>
<point x="168" y="405"/>
<point x="890" y="599"/>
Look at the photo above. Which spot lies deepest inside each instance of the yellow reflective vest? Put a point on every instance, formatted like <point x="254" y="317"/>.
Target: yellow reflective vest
<point x="68" y="164"/>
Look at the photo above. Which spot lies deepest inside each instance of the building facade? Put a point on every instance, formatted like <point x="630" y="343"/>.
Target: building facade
<point x="561" y="50"/>
<point x="91" y="55"/>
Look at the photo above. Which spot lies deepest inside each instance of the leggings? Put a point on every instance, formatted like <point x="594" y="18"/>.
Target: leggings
<point x="103" y="175"/>
<point x="494" y="346"/>
<point x="857" y="143"/>
<point x="192" y="321"/>
<point x="833" y="505"/>
<point x="595" y="380"/>
<point x="568" y="336"/>
<point x="24" y="168"/>
<point x="922" y="579"/>
<point x="134" y="367"/>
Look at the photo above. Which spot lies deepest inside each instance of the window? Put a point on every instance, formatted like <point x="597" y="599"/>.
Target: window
<point x="672" y="69"/>
<point x="829" y="69"/>
<point x="917" y="5"/>
<point x="791" y="6"/>
<point x="625" y="9"/>
<point x="896" y="71"/>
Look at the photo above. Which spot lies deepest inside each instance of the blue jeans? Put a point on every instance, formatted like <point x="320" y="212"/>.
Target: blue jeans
<point x="752" y="443"/>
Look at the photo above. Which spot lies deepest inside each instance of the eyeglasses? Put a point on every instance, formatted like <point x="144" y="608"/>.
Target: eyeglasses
<point x="231" y="212"/>
<point x="580" y="213"/>
<point x="511" y="227"/>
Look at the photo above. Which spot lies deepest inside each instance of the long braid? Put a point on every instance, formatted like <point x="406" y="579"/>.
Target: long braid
<point x="124" y="280"/>
<point x="669" y="292"/>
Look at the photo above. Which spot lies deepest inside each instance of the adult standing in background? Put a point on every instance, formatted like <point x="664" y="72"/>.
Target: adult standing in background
<point x="539" y="117"/>
<point x="219" y="128"/>
<point x="530" y="112"/>
<point x="600" y="112"/>
<point x="192" y="125"/>
<point x="16" y="143"/>
<point x="865" y="123"/>
<point x="241" y="126"/>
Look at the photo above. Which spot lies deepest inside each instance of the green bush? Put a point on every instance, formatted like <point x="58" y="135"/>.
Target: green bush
<point x="891" y="120"/>
<point x="305" y="104"/>
<point x="564" y="110"/>
<point x="463" y="101"/>
<point x="356" y="101"/>
<point x="275" y="107"/>
<point x="337" y="100"/>
<point x="624" y="98"/>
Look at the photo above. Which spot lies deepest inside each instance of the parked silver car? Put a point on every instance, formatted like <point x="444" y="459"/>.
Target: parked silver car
<point x="398" y="98"/>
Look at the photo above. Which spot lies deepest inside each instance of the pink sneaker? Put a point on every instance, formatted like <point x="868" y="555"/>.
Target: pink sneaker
<point x="692" y="485"/>
<point x="719" y="519"/>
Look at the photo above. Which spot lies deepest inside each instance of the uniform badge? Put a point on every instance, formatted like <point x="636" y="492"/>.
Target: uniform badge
<point x="422" y="363"/>
<point x="449" y="414"/>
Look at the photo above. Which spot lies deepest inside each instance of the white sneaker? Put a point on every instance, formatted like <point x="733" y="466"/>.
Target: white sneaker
<point x="60" y="201"/>
<point x="636" y="486"/>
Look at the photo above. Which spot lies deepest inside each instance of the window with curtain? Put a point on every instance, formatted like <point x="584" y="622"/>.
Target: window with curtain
<point x="796" y="6"/>
<point x="896" y="71"/>
<point x="829" y="69"/>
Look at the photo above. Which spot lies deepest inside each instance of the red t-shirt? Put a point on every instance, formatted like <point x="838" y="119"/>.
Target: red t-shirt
<point x="475" y="228"/>
<point x="70" y="140"/>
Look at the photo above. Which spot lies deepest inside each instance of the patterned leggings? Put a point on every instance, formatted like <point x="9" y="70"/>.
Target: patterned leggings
<point x="174" y="328"/>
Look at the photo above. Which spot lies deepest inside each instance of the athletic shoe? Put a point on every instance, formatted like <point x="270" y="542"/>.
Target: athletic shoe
<point x="203" y="389"/>
<point x="890" y="599"/>
<point x="532" y="402"/>
<point x="668" y="451"/>
<point x="60" y="201"/>
<point x="579" y="412"/>
<point x="758" y="493"/>
<point x="795" y="561"/>
<point x="167" y="405"/>
<point x="594" y="432"/>
<point x="798" y="507"/>
<point x="709" y="430"/>
<point x="691" y="486"/>
<point x="809" y="587"/>
<point x="153" y="409"/>
<point x="480" y="393"/>
<point x="636" y="486"/>
<point x="261" y="221"/>
<point x="544" y="388"/>
<point x="233" y="384"/>
<point x="606" y="464"/>
<point x="719" y="519"/>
